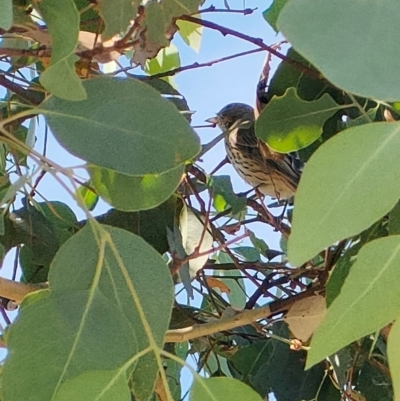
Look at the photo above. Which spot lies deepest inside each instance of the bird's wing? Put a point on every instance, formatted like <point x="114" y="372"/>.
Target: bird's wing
<point x="289" y="166"/>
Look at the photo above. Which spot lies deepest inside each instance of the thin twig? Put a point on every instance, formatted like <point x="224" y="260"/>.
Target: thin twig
<point x="200" y="65"/>
<point x="256" y="41"/>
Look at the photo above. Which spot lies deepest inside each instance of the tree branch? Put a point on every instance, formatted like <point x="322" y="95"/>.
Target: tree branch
<point x="17" y="291"/>
<point x="241" y="319"/>
<point x="256" y="41"/>
<point x="199" y="65"/>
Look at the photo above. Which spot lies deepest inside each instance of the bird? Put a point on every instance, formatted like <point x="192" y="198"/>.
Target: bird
<point x="274" y="175"/>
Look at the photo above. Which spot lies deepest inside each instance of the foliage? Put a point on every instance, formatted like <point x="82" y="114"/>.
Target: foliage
<point x="98" y="318"/>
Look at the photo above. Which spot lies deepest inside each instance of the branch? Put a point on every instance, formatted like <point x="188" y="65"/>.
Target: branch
<point x="199" y="65"/>
<point x="17" y="291"/>
<point x="212" y="9"/>
<point x="27" y="96"/>
<point x="256" y="41"/>
<point x="241" y="319"/>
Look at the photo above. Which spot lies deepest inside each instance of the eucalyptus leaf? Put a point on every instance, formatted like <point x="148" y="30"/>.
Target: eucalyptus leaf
<point x="6" y="15"/>
<point x="351" y="180"/>
<point x="123" y="125"/>
<point x="350" y="57"/>
<point x="289" y="123"/>
<point x="116" y="15"/>
<point x="368" y="300"/>
<point x="132" y="193"/>
<point x="60" y="78"/>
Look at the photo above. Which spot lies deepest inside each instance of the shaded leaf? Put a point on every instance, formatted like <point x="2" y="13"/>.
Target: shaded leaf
<point x="339" y="273"/>
<point x="121" y="113"/>
<point x="62" y="20"/>
<point x="368" y="300"/>
<point x="349" y="64"/>
<point x="394" y="220"/>
<point x="159" y="17"/>
<point x="6" y="15"/>
<point x="223" y="195"/>
<point x="221" y="389"/>
<point x="150" y="224"/>
<point x="351" y="178"/>
<point x="116" y="15"/>
<point x="288" y="123"/>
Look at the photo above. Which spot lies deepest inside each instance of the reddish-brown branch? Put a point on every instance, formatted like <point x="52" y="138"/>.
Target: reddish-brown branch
<point x="200" y="65"/>
<point x="256" y="41"/>
<point x="212" y="9"/>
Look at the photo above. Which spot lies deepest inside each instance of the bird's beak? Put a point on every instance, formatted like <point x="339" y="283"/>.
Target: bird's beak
<point x="212" y="120"/>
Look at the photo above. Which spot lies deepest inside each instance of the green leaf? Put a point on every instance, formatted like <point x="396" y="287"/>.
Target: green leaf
<point x="350" y="57"/>
<point x="95" y="385"/>
<point x="271" y="366"/>
<point x="393" y="350"/>
<point x="346" y="186"/>
<point x="272" y="13"/>
<point x="62" y="20"/>
<point x="374" y="383"/>
<point x="79" y="332"/>
<point x="339" y="273"/>
<point x="45" y="227"/>
<point x="191" y="33"/>
<point x="143" y="133"/>
<point x="394" y="220"/>
<point x="221" y="389"/>
<point x="288" y="123"/>
<point x="159" y="16"/>
<point x="167" y="59"/>
<point x="116" y="15"/>
<point x="128" y="273"/>
<point x="369" y="299"/>
<point x="89" y="197"/>
<point x="131" y="193"/>
<point x="223" y="195"/>
<point x="150" y="224"/>
<point x="6" y="15"/>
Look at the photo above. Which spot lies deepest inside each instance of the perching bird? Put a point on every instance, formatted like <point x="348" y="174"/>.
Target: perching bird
<point x="276" y="177"/>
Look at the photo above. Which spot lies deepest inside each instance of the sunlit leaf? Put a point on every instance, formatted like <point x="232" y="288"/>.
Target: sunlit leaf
<point x="351" y="180"/>
<point x="167" y="59"/>
<point x="367" y="301"/>
<point x="131" y="193"/>
<point x="272" y="13"/>
<point x="393" y="349"/>
<point x="191" y="33"/>
<point x="350" y="57"/>
<point x="288" y="123"/>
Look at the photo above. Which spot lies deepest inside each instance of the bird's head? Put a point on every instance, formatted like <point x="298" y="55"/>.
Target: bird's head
<point x="231" y="114"/>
